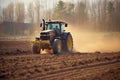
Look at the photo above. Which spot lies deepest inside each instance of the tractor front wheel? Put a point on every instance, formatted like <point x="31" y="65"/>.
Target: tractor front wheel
<point x="57" y="46"/>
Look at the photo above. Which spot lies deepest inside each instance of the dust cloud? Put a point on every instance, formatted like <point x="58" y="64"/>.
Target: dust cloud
<point x="92" y="41"/>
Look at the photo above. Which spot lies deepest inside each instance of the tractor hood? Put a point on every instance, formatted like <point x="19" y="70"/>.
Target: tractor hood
<point x="49" y="32"/>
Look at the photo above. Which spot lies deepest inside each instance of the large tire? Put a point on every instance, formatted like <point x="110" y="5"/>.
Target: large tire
<point x="36" y="49"/>
<point x="57" y="46"/>
<point x="68" y="43"/>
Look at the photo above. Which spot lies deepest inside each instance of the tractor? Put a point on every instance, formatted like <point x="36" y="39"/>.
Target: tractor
<point x="53" y="36"/>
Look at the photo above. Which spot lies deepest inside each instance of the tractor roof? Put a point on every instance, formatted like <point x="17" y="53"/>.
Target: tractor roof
<point x="56" y="22"/>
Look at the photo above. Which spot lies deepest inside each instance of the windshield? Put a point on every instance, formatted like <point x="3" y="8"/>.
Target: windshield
<point x="53" y="26"/>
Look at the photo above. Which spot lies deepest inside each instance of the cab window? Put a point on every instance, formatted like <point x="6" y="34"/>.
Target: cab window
<point x="62" y="27"/>
<point x="53" y="26"/>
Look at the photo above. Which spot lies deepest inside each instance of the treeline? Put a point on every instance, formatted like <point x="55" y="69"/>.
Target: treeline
<point x="91" y="14"/>
<point x="17" y="12"/>
<point x="88" y="14"/>
<point x="17" y="20"/>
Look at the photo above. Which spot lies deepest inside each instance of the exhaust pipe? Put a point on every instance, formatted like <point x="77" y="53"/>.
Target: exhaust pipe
<point x="43" y="24"/>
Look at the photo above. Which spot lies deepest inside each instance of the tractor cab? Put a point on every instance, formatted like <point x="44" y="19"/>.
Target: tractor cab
<point x="56" y="26"/>
<point x="53" y="25"/>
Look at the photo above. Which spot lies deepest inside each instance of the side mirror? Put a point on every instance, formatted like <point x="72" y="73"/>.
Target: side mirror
<point x="66" y="25"/>
<point x="40" y="24"/>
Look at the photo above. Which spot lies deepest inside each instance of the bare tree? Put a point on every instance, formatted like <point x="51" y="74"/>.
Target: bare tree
<point x="69" y="11"/>
<point x="20" y="12"/>
<point x="4" y="14"/>
<point x="37" y="7"/>
<point x="10" y="9"/>
<point x="81" y="13"/>
<point x="8" y="13"/>
<point x="31" y="12"/>
<point x="1" y="15"/>
<point x="117" y="14"/>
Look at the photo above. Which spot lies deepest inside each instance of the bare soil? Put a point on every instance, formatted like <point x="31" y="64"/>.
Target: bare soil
<point x="17" y="62"/>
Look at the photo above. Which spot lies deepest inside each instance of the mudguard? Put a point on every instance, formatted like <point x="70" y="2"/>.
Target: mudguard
<point x="64" y="35"/>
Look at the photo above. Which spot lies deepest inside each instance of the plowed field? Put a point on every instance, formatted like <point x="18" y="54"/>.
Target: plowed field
<point x="17" y="62"/>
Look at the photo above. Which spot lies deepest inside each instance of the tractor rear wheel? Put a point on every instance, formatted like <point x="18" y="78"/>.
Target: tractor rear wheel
<point x="68" y="45"/>
<point x="57" y="46"/>
<point x="36" y="49"/>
